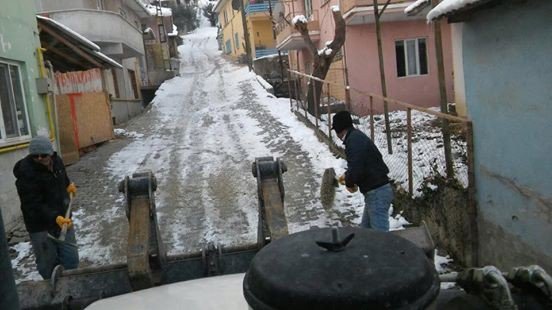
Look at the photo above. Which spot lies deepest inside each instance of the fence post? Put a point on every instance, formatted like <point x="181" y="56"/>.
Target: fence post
<point x="472" y="206"/>
<point x="372" y="135"/>
<point x="289" y="91"/>
<point x="409" y="150"/>
<point x="329" y="114"/>
<point x="316" y="103"/>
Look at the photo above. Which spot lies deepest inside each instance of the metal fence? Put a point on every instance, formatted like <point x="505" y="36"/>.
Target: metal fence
<point x="415" y="156"/>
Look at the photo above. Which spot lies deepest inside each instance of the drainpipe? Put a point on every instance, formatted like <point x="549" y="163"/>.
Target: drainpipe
<point x="42" y="73"/>
<point x="56" y="117"/>
<point x="9" y="299"/>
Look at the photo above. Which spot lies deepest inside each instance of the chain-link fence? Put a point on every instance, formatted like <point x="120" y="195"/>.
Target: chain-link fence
<point x="432" y="173"/>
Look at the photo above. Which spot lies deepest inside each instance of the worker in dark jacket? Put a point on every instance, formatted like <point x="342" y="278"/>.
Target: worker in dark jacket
<point x="44" y="189"/>
<point x="365" y="170"/>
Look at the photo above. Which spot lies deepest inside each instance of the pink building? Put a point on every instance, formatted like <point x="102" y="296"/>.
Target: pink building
<point x="408" y="50"/>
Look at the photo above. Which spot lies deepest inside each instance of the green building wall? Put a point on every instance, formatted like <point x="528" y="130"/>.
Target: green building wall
<point x="19" y="40"/>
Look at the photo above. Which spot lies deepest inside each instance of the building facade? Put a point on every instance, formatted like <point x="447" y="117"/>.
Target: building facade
<point x="24" y="113"/>
<point x="407" y="43"/>
<point x="115" y="26"/>
<point x="507" y="75"/>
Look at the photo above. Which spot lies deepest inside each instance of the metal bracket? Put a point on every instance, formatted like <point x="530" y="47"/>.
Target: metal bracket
<point x="211" y="259"/>
<point x="270" y="190"/>
<point x="145" y="254"/>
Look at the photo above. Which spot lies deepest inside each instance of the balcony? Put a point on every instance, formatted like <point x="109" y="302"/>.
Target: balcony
<point x="356" y="12"/>
<point x="117" y="37"/>
<point x="288" y="38"/>
<point x="262" y="52"/>
<point x="259" y="9"/>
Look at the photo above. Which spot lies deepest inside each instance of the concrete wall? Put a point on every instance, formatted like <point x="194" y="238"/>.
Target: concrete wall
<point x="18" y="43"/>
<point x="508" y="74"/>
<point x="363" y="65"/>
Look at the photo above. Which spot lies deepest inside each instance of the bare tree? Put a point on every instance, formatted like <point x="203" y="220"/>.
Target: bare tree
<point x="322" y="59"/>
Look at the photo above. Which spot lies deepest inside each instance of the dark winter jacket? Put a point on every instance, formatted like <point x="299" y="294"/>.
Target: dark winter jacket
<point x="365" y="165"/>
<point x="43" y="193"/>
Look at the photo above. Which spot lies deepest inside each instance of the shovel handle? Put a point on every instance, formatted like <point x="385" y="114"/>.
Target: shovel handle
<point x="67" y="214"/>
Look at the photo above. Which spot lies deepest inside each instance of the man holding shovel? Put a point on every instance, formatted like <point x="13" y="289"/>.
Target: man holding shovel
<point x="366" y="171"/>
<point x="46" y="193"/>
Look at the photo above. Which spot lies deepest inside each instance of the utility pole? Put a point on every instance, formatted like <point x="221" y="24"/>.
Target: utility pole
<point x="443" y="93"/>
<point x="274" y="37"/>
<point x="246" y="37"/>
<point x="377" y="15"/>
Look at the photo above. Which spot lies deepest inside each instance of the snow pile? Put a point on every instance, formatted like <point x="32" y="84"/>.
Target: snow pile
<point x="448" y="6"/>
<point x="24" y="263"/>
<point x="157" y="11"/>
<point x="299" y="19"/>
<point x="335" y="8"/>
<point x="174" y="32"/>
<point x="415" y="6"/>
<point x="130" y="134"/>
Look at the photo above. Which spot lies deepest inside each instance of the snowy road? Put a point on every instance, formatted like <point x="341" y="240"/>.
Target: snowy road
<point x="200" y="137"/>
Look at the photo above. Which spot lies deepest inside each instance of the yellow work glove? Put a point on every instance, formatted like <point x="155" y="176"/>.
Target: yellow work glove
<point x="352" y="189"/>
<point x="72" y="188"/>
<point x="60" y="220"/>
<point x="341" y="179"/>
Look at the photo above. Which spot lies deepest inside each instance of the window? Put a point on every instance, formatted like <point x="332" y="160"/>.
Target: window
<point x="411" y="57"/>
<point x="236" y="41"/>
<point x="228" y="47"/>
<point x="133" y="78"/>
<point x="13" y="114"/>
<point x="162" y="33"/>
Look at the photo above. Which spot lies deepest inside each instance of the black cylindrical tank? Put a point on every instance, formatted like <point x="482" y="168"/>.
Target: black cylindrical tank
<point x="376" y="270"/>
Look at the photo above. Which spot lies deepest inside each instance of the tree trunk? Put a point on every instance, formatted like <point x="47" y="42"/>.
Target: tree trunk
<point x="322" y="59"/>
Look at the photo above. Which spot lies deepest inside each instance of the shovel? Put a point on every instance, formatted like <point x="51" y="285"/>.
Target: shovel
<point x="63" y="232"/>
<point x="67" y="214"/>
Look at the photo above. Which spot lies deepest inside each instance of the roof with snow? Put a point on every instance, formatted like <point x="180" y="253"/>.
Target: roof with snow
<point x="68" y="50"/>
<point x="155" y="10"/>
<point x="449" y="8"/>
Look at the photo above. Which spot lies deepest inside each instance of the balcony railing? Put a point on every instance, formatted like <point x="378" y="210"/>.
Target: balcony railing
<point x="261" y="52"/>
<point x="262" y="7"/>
<point x="102" y="26"/>
<point x="286" y="32"/>
<point x="348" y="5"/>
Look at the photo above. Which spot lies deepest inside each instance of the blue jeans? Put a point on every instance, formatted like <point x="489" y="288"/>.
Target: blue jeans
<point x="50" y="253"/>
<point x="376" y="208"/>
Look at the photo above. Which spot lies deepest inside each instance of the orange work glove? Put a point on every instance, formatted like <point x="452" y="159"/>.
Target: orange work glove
<point x="341" y="179"/>
<point x="60" y="220"/>
<point x="352" y="189"/>
<point x="72" y="188"/>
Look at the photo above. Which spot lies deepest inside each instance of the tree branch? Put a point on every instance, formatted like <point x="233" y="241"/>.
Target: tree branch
<point x="302" y="27"/>
<point x="383" y="9"/>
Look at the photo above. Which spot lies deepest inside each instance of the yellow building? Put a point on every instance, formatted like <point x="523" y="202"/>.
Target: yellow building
<point x="231" y="24"/>
<point x="259" y="28"/>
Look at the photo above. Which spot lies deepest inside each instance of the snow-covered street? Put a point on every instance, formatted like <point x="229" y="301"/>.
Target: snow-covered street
<point x="199" y="138"/>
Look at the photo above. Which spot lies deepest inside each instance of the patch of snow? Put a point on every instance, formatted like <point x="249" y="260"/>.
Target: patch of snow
<point x="448" y="6"/>
<point x="335" y="8"/>
<point x="130" y="134"/>
<point x="174" y="32"/>
<point x="299" y="19"/>
<point x="157" y="11"/>
<point x="328" y="43"/>
<point x="415" y="5"/>
<point x="328" y="51"/>
<point x="24" y="263"/>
